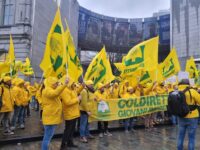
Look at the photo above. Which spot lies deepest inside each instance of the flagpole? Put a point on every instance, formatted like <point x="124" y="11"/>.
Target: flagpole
<point x="82" y="78"/>
<point x="34" y="77"/>
<point x="41" y="78"/>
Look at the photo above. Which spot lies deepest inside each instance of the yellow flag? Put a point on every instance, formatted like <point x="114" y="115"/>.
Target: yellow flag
<point x="4" y="68"/>
<point x="150" y="76"/>
<point x="26" y="68"/>
<point x="170" y="66"/>
<point x="139" y="55"/>
<point x="74" y="68"/>
<point x="99" y="69"/>
<point x="119" y="66"/>
<point x="191" y="68"/>
<point x="11" y="52"/>
<point x="109" y="75"/>
<point x="54" y="59"/>
<point x="11" y="58"/>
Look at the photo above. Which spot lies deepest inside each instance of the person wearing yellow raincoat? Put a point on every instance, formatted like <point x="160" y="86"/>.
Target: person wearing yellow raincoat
<point x="114" y="91"/>
<point x="161" y="89"/>
<point x="87" y="99"/>
<point x="27" y="99"/>
<point x="19" y="98"/>
<point x="123" y="88"/>
<point x="7" y="105"/>
<point x="101" y="97"/>
<point x="32" y="91"/>
<point x="52" y="108"/>
<point x="38" y="97"/>
<point x="71" y="112"/>
<point x="129" y="123"/>
<point x="146" y="90"/>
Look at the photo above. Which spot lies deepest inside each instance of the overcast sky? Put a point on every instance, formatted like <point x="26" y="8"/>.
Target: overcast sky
<point x="126" y="8"/>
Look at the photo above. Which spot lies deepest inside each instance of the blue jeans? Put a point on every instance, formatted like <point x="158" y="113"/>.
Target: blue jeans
<point x="84" y="125"/>
<point x="129" y="123"/>
<point x="190" y="125"/>
<point x="18" y="116"/>
<point x="48" y="134"/>
<point x="174" y="120"/>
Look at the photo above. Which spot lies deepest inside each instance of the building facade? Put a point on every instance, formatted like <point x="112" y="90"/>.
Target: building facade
<point x="185" y="29"/>
<point x="29" y="22"/>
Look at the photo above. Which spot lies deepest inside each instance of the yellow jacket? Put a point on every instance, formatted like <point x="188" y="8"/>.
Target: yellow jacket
<point x="122" y="90"/>
<point x="70" y="104"/>
<point x="100" y="96"/>
<point x="148" y="91"/>
<point x="129" y="95"/>
<point x="26" y="97"/>
<point x="18" y="95"/>
<point x="7" y="99"/>
<point x="114" y="93"/>
<point x="107" y="92"/>
<point x="32" y="90"/>
<point x="38" y="97"/>
<point x="87" y="99"/>
<point x="161" y="90"/>
<point x="52" y="106"/>
<point x="195" y="100"/>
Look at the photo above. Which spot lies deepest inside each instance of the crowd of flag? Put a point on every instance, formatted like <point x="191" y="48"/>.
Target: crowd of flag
<point x="140" y="65"/>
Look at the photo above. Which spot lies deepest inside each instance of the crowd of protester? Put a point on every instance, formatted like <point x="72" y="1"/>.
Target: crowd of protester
<point x="72" y="103"/>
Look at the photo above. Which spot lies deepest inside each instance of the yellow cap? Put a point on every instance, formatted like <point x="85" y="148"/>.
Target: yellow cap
<point x="7" y="78"/>
<point x="116" y="83"/>
<point x="27" y="83"/>
<point x="50" y="81"/>
<point x="89" y="82"/>
<point x="100" y="85"/>
<point x="19" y="81"/>
<point x="130" y="88"/>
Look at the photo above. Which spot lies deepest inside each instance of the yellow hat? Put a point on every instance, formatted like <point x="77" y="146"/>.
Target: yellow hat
<point x="50" y="81"/>
<point x="130" y="88"/>
<point x="36" y="85"/>
<point x="125" y="81"/>
<point x="100" y="85"/>
<point x="19" y="81"/>
<point x="116" y="83"/>
<point x="7" y="78"/>
<point x="148" y="85"/>
<point x="89" y="82"/>
<point x="27" y="83"/>
<point x="62" y="80"/>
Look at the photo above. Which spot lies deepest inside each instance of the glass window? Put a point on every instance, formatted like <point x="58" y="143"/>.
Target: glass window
<point x="8" y="12"/>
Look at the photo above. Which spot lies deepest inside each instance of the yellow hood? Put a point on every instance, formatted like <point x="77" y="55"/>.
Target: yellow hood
<point x="89" y="82"/>
<point x="18" y="81"/>
<point x="7" y="78"/>
<point x="50" y="81"/>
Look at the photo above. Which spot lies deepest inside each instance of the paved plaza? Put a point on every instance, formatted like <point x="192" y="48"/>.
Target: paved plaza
<point x="162" y="138"/>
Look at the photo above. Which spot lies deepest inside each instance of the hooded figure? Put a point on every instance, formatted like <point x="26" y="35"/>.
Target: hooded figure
<point x="52" y="108"/>
<point x="7" y="105"/>
<point x="6" y="93"/>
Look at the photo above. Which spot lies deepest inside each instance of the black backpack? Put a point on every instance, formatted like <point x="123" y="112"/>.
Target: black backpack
<point x="1" y="99"/>
<point x="177" y="104"/>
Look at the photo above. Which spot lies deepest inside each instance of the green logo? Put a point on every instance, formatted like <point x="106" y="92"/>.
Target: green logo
<point x="137" y="60"/>
<point x="94" y="69"/>
<point x="56" y="48"/>
<point x="103" y="108"/>
<point x="170" y="70"/>
<point x="145" y="76"/>
<point x="192" y="72"/>
<point x="102" y="72"/>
